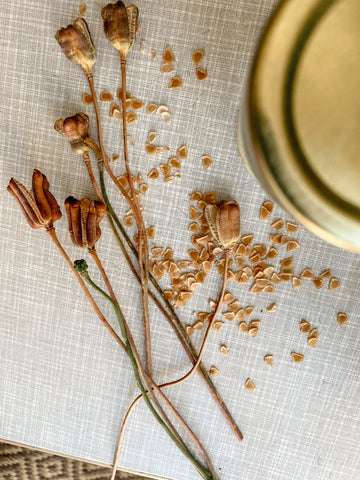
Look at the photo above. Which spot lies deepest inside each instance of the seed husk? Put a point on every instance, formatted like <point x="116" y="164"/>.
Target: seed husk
<point x="175" y="82"/>
<point x="272" y="307"/>
<point x="224" y="350"/>
<point x="269" y="360"/>
<point x="304" y="326"/>
<point x="229" y="315"/>
<point x="197" y="56"/>
<point x="342" y="318"/>
<point x="334" y="283"/>
<point x="213" y="372"/>
<point x="249" y="310"/>
<point x="131" y="117"/>
<point x="156" y="251"/>
<point x="167" y="254"/>
<point x="272" y="253"/>
<point x="137" y="104"/>
<point x="249" y="384"/>
<point x="168" y="55"/>
<point x="201" y="74"/>
<point x="166" y="68"/>
<point x="297" y="357"/>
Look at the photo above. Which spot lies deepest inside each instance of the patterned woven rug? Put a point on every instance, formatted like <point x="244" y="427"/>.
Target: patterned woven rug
<point x="17" y="463"/>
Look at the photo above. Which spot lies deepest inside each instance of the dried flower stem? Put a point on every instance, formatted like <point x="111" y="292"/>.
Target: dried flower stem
<point x="141" y="377"/>
<point x="54" y="238"/>
<point x="86" y="159"/>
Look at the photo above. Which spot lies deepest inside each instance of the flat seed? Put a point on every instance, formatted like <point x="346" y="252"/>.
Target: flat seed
<point x="83" y="8"/>
<point x="166" y="116"/>
<point x="174" y="162"/>
<point x="193" y="213"/>
<point x="151" y="108"/>
<point x="342" y="318"/>
<point x="183" y="264"/>
<point x="131" y="141"/>
<point x="206" y="161"/>
<point x="131" y="117"/>
<point x="228" y="297"/>
<point x="304" y="326"/>
<point x="334" y="283"/>
<point x="194" y="228"/>
<point x="247" y="239"/>
<point x="206" y="266"/>
<point x="291" y="227"/>
<point x="269" y="289"/>
<point x="144" y="187"/>
<point x="248" y="271"/>
<point x="167" y="254"/>
<point x="165" y="169"/>
<point x="278" y="224"/>
<point x="243" y="327"/>
<point x="318" y="282"/>
<point x="296" y="283"/>
<point x="182" y="152"/>
<point x="106" y="96"/>
<point x="240" y="314"/>
<point x="307" y="273"/>
<point x="292" y="245"/>
<point x="249" y="384"/>
<point x="153" y="54"/>
<point x="275" y="239"/>
<point x="287" y="262"/>
<point x="197" y="56"/>
<point x="325" y="274"/>
<point x="201" y="74"/>
<point x="285" y="277"/>
<point x="150" y="232"/>
<point x="224" y="350"/>
<point x="87" y="99"/>
<point x="198" y="325"/>
<point x="119" y="93"/>
<point x="189" y="330"/>
<point x="156" y="251"/>
<point x="195" y="196"/>
<point x="137" y="104"/>
<point x="162" y="109"/>
<point x="268" y="271"/>
<point x="269" y="360"/>
<point x="249" y="310"/>
<point x="168" y="55"/>
<point x="234" y="306"/>
<point x="254" y="323"/>
<point x="313" y="338"/>
<point x="209" y="196"/>
<point x="143" y="46"/>
<point x="157" y="272"/>
<point x="229" y="315"/>
<point x="152" y="136"/>
<point x="153" y="174"/>
<point x="297" y="357"/>
<point x="266" y="210"/>
<point x="213" y="372"/>
<point x="272" y="307"/>
<point x="217" y="325"/>
<point x="129" y="220"/>
<point x="115" y="112"/>
<point x="175" y="82"/>
<point x="272" y="253"/>
<point x="166" y="68"/>
<point x="255" y="258"/>
<point x="150" y="149"/>
<point x="261" y="282"/>
<point x="275" y="279"/>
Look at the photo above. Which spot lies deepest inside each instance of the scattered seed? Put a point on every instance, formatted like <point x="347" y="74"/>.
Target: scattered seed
<point x="307" y="273"/>
<point x="166" y="68"/>
<point x="229" y="315"/>
<point x="131" y="117"/>
<point x="272" y="253"/>
<point x="224" y="350"/>
<point x="266" y="210"/>
<point x="297" y="357"/>
<point x="175" y="82"/>
<point x="174" y="162"/>
<point x="152" y="136"/>
<point x="291" y="227"/>
<point x="243" y="327"/>
<point x="153" y="54"/>
<point x="151" y="108"/>
<point x="156" y="251"/>
<point x="325" y="274"/>
<point x="87" y="99"/>
<point x="166" y="116"/>
<point x="296" y="283"/>
<point x="167" y="254"/>
<point x="153" y="174"/>
<point x="249" y="385"/>
<point x="195" y="196"/>
<point x="115" y="157"/>
<point x="143" y="46"/>
<point x="150" y="232"/>
<point x="119" y="93"/>
<point x="168" y="55"/>
<point x="318" y="282"/>
<point x="253" y="331"/>
<point x="304" y="326"/>
<point x="151" y="149"/>
<point x="292" y="245"/>
<point x="129" y="220"/>
<point x="197" y="56"/>
<point x="217" y="325"/>
<point x="278" y="224"/>
<point x="157" y="272"/>
<point x="313" y="337"/>
<point x="272" y="307"/>
<point x="182" y="152"/>
<point x="213" y="372"/>
<point x="137" y="104"/>
<point x="198" y="325"/>
<point x="206" y="161"/>
<point x="249" y="310"/>
<point x="115" y="112"/>
<point x="189" y="330"/>
<point x="201" y="74"/>
<point x="342" y="318"/>
<point x="83" y="8"/>
<point x="334" y="283"/>
<point x="254" y="323"/>
<point x="269" y="360"/>
<point x="234" y="306"/>
<point x="105" y="96"/>
<point x="275" y="239"/>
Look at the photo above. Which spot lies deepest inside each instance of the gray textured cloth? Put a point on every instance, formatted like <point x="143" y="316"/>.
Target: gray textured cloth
<point x="65" y="385"/>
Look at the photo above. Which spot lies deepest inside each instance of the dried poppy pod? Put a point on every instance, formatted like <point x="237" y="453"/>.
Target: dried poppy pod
<point x="39" y="206"/>
<point x="76" y="129"/>
<point x="120" y="26"/>
<point x="77" y="45"/>
<point x="84" y="218"/>
<point x="224" y="222"/>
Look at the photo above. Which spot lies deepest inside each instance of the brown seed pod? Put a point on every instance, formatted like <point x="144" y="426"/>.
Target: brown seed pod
<point x="224" y="223"/>
<point x="120" y="24"/>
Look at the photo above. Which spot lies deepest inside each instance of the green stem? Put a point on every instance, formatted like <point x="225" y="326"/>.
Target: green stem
<point x="202" y="471"/>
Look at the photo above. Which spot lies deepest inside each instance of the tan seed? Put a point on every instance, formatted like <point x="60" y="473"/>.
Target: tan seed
<point x="189" y="330"/>
<point x="129" y="220"/>
<point x="325" y="274"/>
<point x="168" y="55"/>
<point x="197" y="56"/>
<point x="229" y="315"/>
<point x="153" y="174"/>
<point x="193" y="213"/>
<point x="131" y="117"/>
<point x="272" y="253"/>
<point x="275" y="239"/>
<point x="334" y="283"/>
<point x="201" y="74"/>
<point x="217" y="325"/>
<point x="318" y="282"/>
<point x="269" y="289"/>
<point x="287" y="262"/>
<point x="106" y="96"/>
<point x="213" y="372"/>
<point x="115" y="112"/>
<point x="166" y="68"/>
<point x="254" y="323"/>
<point x="153" y="54"/>
<point x="234" y="306"/>
<point x="249" y="385"/>
<point x="157" y="272"/>
<point x="209" y="197"/>
<point x="307" y="273"/>
<point x="83" y="8"/>
<point x="150" y="232"/>
<point x="249" y="310"/>
<point x="156" y="251"/>
<point x="272" y="307"/>
<point x="165" y="169"/>
<point x="167" y="254"/>
<point x="198" y="325"/>
<point x="195" y="196"/>
<point x="285" y="277"/>
<point x="143" y="46"/>
<point x="137" y="104"/>
<point x="304" y="326"/>
<point x="297" y="357"/>
<point x="87" y="99"/>
<point x="243" y="327"/>
<point x="182" y="152"/>
<point x="292" y="245"/>
<point x="291" y="227"/>
<point x="175" y="82"/>
<point x="174" y="162"/>
<point x="184" y="264"/>
<point x="313" y="338"/>
<point x="224" y="350"/>
<point x="269" y="360"/>
<point x="206" y="161"/>
<point x="119" y="93"/>
<point x="342" y="318"/>
<point x="228" y="297"/>
<point x="151" y="108"/>
<point x="266" y="210"/>
<point x="278" y="224"/>
<point x="247" y="239"/>
<point x="253" y="331"/>
<point x="296" y="283"/>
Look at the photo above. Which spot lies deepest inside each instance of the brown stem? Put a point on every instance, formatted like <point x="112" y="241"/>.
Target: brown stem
<point x="99" y="264"/>
<point x="54" y="238"/>
<point x="143" y="259"/>
<point x="87" y="162"/>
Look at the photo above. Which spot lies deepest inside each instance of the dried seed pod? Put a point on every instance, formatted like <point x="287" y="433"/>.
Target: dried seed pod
<point x="224" y="223"/>
<point x="76" y="129"/>
<point x="120" y="24"/>
<point x="39" y="206"/>
<point x="84" y="219"/>
<point x="77" y="45"/>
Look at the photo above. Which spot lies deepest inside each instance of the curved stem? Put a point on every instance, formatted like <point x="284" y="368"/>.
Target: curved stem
<point x="145" y="393"/>
<point x="88" y="295"/>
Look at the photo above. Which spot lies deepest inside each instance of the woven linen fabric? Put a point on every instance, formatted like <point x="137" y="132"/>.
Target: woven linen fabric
<point x="65" y="386"/>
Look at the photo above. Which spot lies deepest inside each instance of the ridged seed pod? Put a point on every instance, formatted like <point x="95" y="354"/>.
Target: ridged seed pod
<point x="120" y="26"/>
<point x="224" y="222"/>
